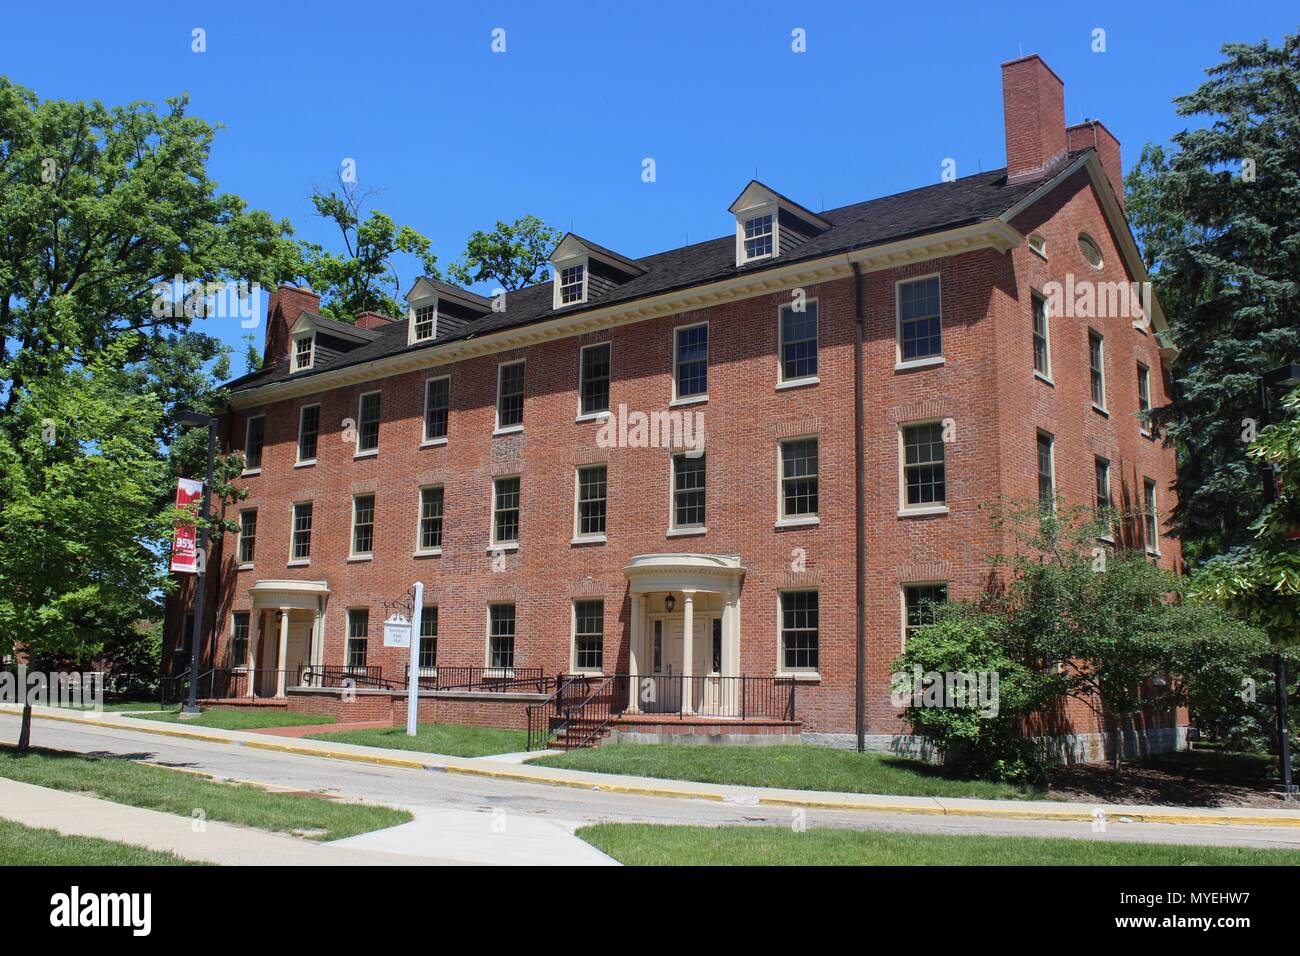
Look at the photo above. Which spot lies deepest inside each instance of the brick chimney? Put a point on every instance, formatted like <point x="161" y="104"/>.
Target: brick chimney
<point x="282" y="311"/>
<point x="373" y="320"/>
<point x="1093" y="133"/>
<point x="1033" y="108"/>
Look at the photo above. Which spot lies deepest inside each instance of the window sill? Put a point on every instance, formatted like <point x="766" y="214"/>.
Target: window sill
<point x="368" y="453"/>
<point x="686" y="532"/>
<point x="1100" y="410"/>
<point x="250" y="472"/>
<point x="508" y="430"/>
<point x="587" y="539"/>
<point x="428" y="553"/>
<point x="304" y="464"/>
<point x="805" y="522"/>
<point x="1043" y="378"/>
<point x="433" y="442"/>
<point x="933" y="361"/>
<point x="689" y="400"/>
<point x="1145" y="434"/>
<point x="798" y="382"/>
<point x="922" y="512"/>
<point x="1141" y="326"/>
<point x="593" y="416"/>
<point x="299" y="563"/>
<point x="503" y="546"/>
<point x="1106" y="539"/>
<point x="1154" y="554"/>
<point x="248" y="566"/>
<point x="585" y="672"/>
<point x="1042" y="255"/>
<point x="357" y="558"/>
<point x="802" y="676"/>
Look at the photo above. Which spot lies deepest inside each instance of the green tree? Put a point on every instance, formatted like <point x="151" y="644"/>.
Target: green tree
<point x="512" y="256"/>
<point x="364" y="277"/>
<point x="1218" y="219"/>
<point x="79" y="525"/>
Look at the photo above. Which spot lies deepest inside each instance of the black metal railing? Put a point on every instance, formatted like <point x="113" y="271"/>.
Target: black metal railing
<point x="233" y="683"/>
<point x="582" y="707"/>
<point x="356" y="675"/>
<point x="478" y="679"/>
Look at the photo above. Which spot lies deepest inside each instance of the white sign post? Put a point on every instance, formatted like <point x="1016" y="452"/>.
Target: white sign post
<point x="413" y="674"/>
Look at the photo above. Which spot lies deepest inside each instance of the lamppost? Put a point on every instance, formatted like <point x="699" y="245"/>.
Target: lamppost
<point x="194" y="418"/>
<point x="1281" y="379"/>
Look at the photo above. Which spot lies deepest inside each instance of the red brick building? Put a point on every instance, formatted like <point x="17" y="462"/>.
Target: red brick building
<point x="505" y="451"/>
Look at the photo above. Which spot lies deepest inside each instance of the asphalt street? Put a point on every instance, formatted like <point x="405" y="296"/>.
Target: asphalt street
<point x="436" y="790"/>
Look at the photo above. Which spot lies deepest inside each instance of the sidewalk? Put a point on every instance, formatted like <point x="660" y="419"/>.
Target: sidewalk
<point x="75" y="814"/>
<point x="647" y="786"/>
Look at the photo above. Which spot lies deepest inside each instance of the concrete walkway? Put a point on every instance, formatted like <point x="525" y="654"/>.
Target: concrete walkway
<point x="496" y="768"/>
<point x="75" y="814"/>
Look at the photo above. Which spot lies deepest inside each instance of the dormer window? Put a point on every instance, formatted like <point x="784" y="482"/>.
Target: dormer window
<point x="424" y="322"/>
<point x="303" y="347"/>
<point x="768" y="225"/>
<point x="758" y="237"/>
<point x="573" y="284"/>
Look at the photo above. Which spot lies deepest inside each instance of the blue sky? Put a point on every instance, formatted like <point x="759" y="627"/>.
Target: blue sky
<point x="454" y="136"/>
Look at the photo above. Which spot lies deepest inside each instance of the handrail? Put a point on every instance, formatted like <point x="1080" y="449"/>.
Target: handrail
<point x="539" y="715"/>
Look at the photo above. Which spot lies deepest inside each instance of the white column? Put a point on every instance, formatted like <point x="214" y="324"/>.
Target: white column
<point x="284" y="651"/>
<point x="688" y="650"/>
<point x="635" y="627"/>
<point x="250" y="662"/>
<point x="731" y="648"/>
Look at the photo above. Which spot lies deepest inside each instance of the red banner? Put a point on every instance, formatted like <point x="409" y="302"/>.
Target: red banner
<point x="185" y="549"/>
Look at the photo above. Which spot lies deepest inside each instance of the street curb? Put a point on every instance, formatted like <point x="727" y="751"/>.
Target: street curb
<point x="810" y="803"/>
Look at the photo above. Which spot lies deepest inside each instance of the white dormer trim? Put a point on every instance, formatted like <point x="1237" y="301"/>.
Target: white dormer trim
<point x="304" y="330"/>
<point x="559" y="265"/>
<point x="413" y="309"/>
<point x="756" y="201"/>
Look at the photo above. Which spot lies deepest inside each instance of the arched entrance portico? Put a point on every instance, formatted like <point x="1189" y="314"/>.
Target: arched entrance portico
<point x="684" y="651"/>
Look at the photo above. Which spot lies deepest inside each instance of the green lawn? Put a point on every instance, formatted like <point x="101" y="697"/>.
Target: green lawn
<point x="29" y="846"/>
<point x="454" y="740"/>
<point x="646" y="845"/>
<point x="797" y="767"/>
<point x="239" y="718"/>
<point x="156" y="788"/>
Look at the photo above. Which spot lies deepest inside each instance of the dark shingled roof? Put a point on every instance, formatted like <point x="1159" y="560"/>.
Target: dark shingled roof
<point x="887" y="219"/>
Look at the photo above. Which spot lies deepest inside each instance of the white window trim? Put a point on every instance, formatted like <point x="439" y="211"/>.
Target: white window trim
<point x="293" y="357"/>
<point x="1107" y="537"/>
<point x="248" y="425"/>
<point x="497" y="428"/>
<point x="293" y="514"/>
<point x="796" y="521"/>
<point x="1151" y="513"/>
<point x="239" y="541"/>
<point x="487" y="640"/>
<point x="493" y="543"/>
<point x="248" y="638"/>
<point x="357" y="452"/>
<point x="352" y="529"/>
<point x="899" y="362"/>
<point x="1143" y="375"/>
<point x="421" y="552"/>
<point x="781" y="380"/>
<point x="1036" y="296"/>
<point x="1101" y="355"/>
<point x="582" y="416"/>
<point x="902" y="606"/>
<point x="297" y="451"/>
<point x="578" y="536"/>
<point x="780" y="669"/>
<point x="916" y="511"/>
<point x="558" y="268"/>
<point x="1040" y="249"/>
<point x="432" y="305"/>
<point x="1051" y="461"/>
<point x="757" y="212"/>
<point x="425" y="440"/>
<point x="674" y="529"/>
<point x="573" y="636"/>
<point x="708" y="347"/>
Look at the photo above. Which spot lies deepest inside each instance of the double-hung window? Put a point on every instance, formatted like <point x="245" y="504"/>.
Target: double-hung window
<point x="501" y="635"/>
<point x="437" y="402"/>
<point x="308" y="433"/>
<point x="300" y="548"/>
<point x="593" y="385"/>
<point x="918" y="605"/>
<point x="247" y="535"/>
<point x="798" y="331"/>
<point x="368" y="422"/>
<point x="588" y="635"/>
<point x="1046" y="473"/>
<point x="799" y="479"/>
<point x="1096" y="370"/>
<point x="691" y="361"/>
<point x="925" y="467"/>
<point x="428" y="638"/>
<point x="358" y="637"/>
<point x="431" y="518"/>
<point x="1042" y="338"/>
<point x="510" y="395"/>
<point x="920" y="333"/>
<point x="505" y="511"/>
<point x="239" y="627"/>
<point x="1144" y="397"/>
<point x="424" y="322"/>
<point x="759" y="236"/>
<point x="688" y="490"/>
<point x="592" y="480"/>
<point x="1150" y="516"/>
<point x="254" y="437"/>
<point x="800" y="624"/>
<point x="573" y="284"/>
<point x="363" y="525"/>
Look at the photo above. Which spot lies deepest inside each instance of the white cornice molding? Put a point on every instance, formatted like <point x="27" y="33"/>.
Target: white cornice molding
<point x="986" y="234"/>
